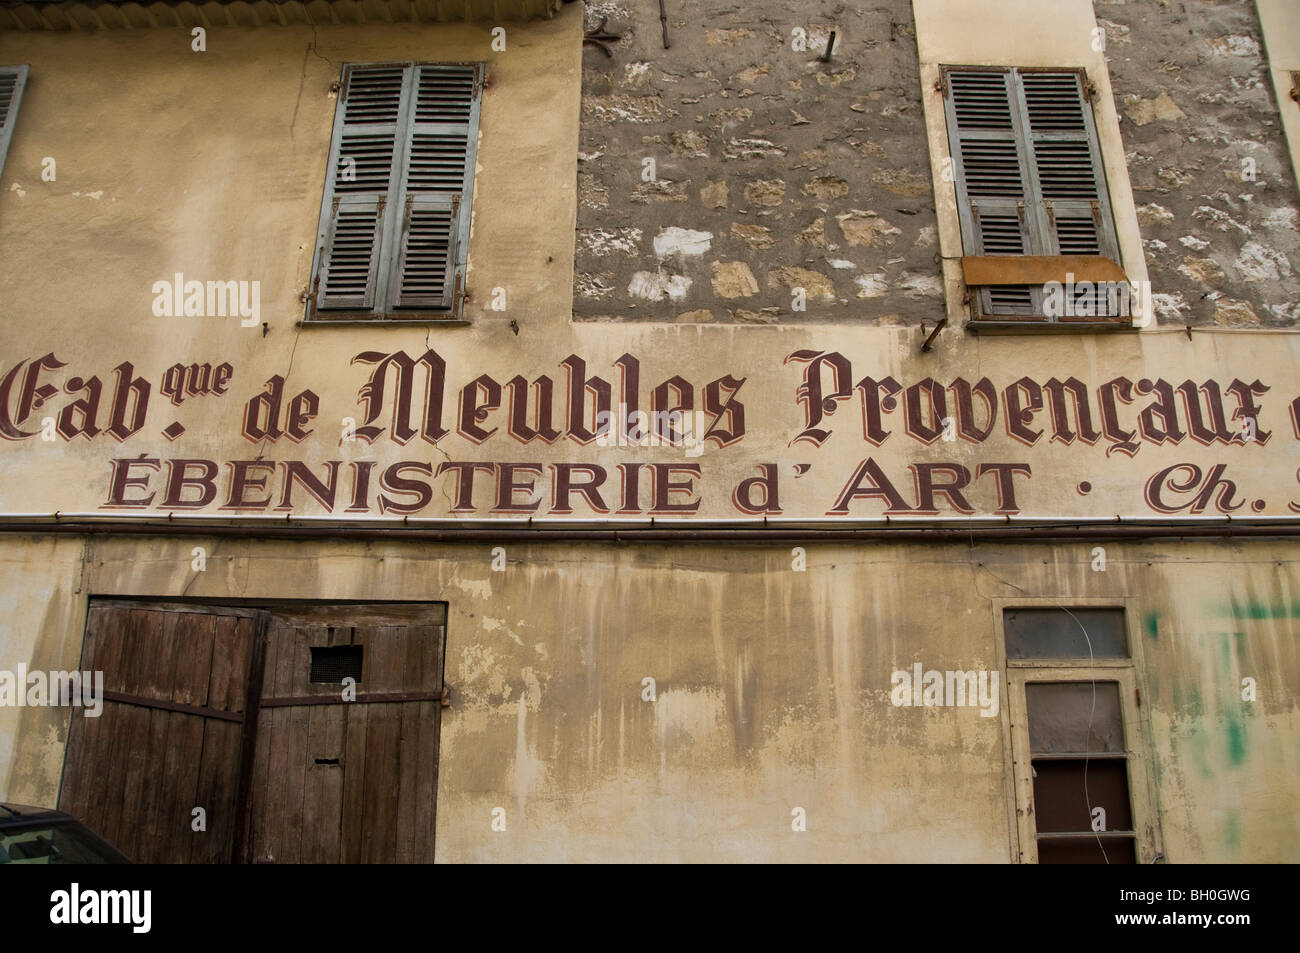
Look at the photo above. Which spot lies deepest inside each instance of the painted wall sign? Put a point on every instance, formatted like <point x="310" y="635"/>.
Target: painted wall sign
<point x="428" y="437"/>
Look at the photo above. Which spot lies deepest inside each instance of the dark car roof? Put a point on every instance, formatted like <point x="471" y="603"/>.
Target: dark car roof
<point x="25" y="812"/>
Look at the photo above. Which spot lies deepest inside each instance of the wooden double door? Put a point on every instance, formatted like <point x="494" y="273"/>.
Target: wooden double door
<point x="280" y="734"/>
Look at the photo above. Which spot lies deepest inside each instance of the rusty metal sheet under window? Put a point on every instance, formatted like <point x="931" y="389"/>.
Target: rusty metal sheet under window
<point x="993" y="270"/>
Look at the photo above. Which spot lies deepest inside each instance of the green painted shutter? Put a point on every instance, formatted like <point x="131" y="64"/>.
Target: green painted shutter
<point x="1027" y="166"/>
<point x="12" y="81"/>
<point x="395" y="217"/>
<point x="1069" y="182"/>
<point x="991" y="171"/>
<point x="437" y="186"/>
<point x="364" y="156"/>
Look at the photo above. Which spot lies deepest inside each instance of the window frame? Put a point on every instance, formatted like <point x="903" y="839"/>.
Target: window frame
<point x="1037" y="227"/>
<point x="1127" y="672"/>
<point x="388" y="264"/>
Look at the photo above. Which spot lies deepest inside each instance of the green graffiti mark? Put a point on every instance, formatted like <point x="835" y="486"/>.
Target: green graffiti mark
<point x="1236" y="722"/>
<point x="1152" y="622"/>
<point x="1197" y="745"/>
<point x="1256" y="610"/>
<point x="1232" y="832"/>
<point x="1236" y="738"/>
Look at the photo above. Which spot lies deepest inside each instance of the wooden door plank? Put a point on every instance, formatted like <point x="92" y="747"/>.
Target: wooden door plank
<point x="426" y="789"/>
<point x="354" y="781"/>
<point x="260" y="791"/>
<point x="219" y="770"/>
<point x="323" y="794"/>
<point x="113" y="794"/>
<point x="379" y="822"/>
<point x="146" y="653"/>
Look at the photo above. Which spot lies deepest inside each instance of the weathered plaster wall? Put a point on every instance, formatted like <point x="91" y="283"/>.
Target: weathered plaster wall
<point x="43" y="607"/>
<point x="212" y="164"/>
<point x="772" y="687"/>
<point x="774" y="170"/>
<point x="1193" y="85"/>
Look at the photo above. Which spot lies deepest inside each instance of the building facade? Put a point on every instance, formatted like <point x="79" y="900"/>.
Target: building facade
<point x="535" y="432"/>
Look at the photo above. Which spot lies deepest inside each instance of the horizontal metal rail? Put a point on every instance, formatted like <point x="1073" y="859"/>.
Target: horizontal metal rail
<point x="755" y="533"/>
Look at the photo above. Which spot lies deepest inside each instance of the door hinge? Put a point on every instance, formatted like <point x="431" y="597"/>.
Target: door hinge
<point x="1051" y="213"/>
<point x="445" y="700"/>
<point x="1096" y="213"/>
<point x="941" y="85"/>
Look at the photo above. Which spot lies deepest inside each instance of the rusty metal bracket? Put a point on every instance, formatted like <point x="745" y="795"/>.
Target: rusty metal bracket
<point x="663" y="22"/>
<point x="830" y="45"/>
<point x="603" y="38"/>
<point x="446" y="697"/>
<point x="943" y="323"/>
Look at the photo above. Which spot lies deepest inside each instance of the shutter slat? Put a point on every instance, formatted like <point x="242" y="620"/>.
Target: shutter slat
<point x="992" y="168"/>
<point x="981" y="100"/>
<point x="445" y="94"/>
<point x="1075" y="230"/>
<point x="1010" y="300"/>
<point x="351" y="256"/>
<point x="428" y="253"/>
<point x="1065" y="170"/>
<point x="12" y="81"/>
<point x="437" y="163"/>
<point x="373" y="95"/>
<point x="1000" y="231"/>
<point x="1054" y="101"/>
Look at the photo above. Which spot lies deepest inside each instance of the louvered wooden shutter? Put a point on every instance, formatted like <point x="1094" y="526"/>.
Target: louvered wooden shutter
<point x="395" y="223"/>
<point x="363" y="165"/>
<point x="12" y="81"/>
<point x="437" y="186"/>
<point x="1028" y="172"/>
<point x="990" y="167"/>
<point x="1068" y="175"/>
